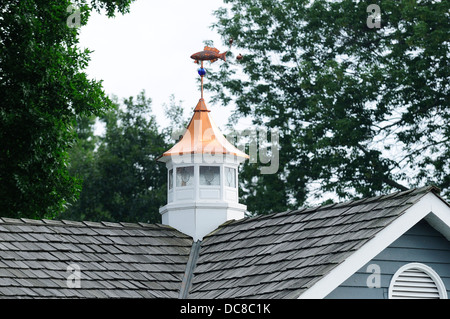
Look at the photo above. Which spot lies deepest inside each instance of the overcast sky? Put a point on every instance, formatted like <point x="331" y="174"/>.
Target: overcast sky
<point x="150" y="49"/>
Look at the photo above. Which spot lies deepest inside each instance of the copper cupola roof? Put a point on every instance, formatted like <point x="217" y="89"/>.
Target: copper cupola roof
<point x="202" y="136"/>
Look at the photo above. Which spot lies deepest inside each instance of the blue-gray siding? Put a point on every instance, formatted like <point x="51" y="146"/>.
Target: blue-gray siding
<point x="421" y="243"/>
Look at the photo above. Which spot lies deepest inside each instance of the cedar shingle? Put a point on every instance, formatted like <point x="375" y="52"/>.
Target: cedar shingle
<point x="37" y="254"/>
<point x="292" y="250"/>
<point x="272" y="256"/>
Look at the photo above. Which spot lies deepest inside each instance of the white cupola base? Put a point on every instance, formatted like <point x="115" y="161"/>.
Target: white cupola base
<point x="198" y="219"/>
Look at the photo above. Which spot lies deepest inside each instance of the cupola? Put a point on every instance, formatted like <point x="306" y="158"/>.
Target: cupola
<point x="202" y="172"/>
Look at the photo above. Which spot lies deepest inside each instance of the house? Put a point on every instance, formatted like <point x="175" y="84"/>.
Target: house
<point x="390" y="246"/>
<point x="332" y="252"/>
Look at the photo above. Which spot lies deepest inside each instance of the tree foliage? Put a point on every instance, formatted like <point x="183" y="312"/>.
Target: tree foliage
<point x="174" y="112"/>
<point x="122" y="181"/>
<point x="360" y="111"/>
<point x="43" y="89"/>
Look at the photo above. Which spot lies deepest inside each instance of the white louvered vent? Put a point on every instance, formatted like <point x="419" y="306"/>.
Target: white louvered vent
<point x="416" y="281"/>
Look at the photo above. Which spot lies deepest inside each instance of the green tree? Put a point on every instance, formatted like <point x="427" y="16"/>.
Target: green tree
<point x="122" y="181"/>
<point x="43" y="89"/>
<point x="174" y="112"/>
<point x="360" y="111"/>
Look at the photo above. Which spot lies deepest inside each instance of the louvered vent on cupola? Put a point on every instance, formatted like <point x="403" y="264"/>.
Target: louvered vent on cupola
<point x="416" y="281"/>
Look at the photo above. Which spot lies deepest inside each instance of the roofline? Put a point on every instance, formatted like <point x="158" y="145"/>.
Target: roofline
<point x="87" y="224"/>
<point x="167" y="154"/>
<point x="422" y="190"/>
<point x="430" y="207"/>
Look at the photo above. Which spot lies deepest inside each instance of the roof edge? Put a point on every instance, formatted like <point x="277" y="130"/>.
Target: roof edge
<point x="88" y="224"/>
<point x="417" y="192"/>
<point x="428" y="206"/>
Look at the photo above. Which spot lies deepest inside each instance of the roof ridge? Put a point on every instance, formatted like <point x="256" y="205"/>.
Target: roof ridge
<point x="382" y="197"/>
<point x="306" y="209"/>
<point x="106" y="224"/>
<point x="70" y="223"/>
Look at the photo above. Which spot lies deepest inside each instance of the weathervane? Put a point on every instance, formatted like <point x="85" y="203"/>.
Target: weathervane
<point x="212" y="55"/>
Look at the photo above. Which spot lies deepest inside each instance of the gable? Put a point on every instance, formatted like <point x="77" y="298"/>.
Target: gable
<point x="307" y="252"/>
<point x="420" y="244"/>
<point x="430" y="207"/>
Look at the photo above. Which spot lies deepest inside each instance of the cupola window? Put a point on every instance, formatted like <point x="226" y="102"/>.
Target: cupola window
<point x="230" y="177"/>
<point x="210" y="175"/>
<point x="170" y="179"/>
<point x="185" y="176"/>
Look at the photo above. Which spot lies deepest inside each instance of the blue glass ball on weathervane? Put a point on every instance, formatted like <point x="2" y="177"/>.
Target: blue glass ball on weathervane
<point x="201" y="71"/>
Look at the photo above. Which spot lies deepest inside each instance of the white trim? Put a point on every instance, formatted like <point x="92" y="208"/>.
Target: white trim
<point x="438" y="212"/>
<point x="440" y="219"/>
<point x="426" y="269"/>
<point x="204" y="204"/>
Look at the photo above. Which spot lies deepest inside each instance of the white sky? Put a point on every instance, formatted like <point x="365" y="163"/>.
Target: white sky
<point x="150" y="48"/>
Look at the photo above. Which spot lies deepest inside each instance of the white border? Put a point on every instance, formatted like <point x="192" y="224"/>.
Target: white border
<point x="438" y="216"/>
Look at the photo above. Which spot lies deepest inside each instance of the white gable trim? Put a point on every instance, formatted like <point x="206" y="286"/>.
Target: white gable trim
<point x="430" y="207"/>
